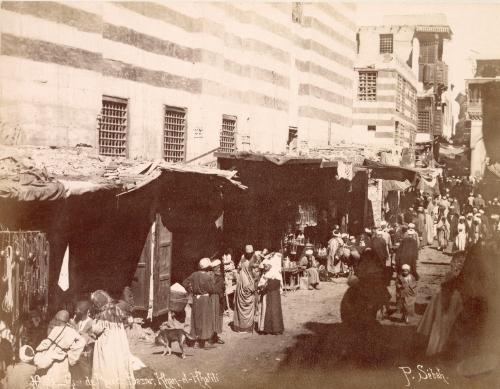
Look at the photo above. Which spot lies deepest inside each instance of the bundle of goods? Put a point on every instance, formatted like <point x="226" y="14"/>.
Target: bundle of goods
<point x="178" y="298"/>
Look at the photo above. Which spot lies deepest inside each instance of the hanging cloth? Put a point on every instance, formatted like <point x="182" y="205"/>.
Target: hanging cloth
<point x="219" y="223"/>
<point x="63" y="281"/>
<point x="345" y="170"/>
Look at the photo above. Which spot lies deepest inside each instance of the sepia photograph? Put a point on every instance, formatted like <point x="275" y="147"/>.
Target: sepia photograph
<point x="249" y="194"/>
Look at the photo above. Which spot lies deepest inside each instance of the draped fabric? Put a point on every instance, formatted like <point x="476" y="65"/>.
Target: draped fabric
<point x="437" y="321"/>
<point x="244" y="300"/>
<point x="429" y="222"/>
<point x="112" y="364"/>
<point x="271" y="320"/>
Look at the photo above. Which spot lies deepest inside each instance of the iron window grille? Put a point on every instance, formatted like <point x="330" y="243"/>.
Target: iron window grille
<point x="400" y="94"/>
<point x="113" y="127"/>
<point x="372" y="128"/>
<point x="228" y="134"/>
<point x="174" y="134"/>
<point x="424" y="121"/>
<point x="397" y="135"/>
<point x="297" y="11"/>
<point x="386" y="43"/>
<point x="367" y="86"/>
<point x="293" y="134"/>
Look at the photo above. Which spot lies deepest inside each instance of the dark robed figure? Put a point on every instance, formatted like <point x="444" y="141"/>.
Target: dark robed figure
<point x="201" y="285"/>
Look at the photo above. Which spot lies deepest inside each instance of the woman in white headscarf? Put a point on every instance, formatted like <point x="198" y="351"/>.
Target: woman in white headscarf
<point x="271" y="315"/>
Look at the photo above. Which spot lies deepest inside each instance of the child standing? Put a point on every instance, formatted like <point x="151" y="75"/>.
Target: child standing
<point x="19" y="375"/>
<point x="406" y="292"/>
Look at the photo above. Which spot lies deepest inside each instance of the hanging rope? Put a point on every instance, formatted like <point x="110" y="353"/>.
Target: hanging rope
<point x="8" y="300"/>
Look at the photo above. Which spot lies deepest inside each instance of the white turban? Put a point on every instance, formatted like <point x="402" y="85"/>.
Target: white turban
<point x="205" y="263"/>
<point x="26" y="354"/>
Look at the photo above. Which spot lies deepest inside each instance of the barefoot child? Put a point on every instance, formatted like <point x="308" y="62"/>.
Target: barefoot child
<point x="406" y="289"/>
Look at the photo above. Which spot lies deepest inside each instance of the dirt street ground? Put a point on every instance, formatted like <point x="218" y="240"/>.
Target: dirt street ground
<point x="310" y="353"/>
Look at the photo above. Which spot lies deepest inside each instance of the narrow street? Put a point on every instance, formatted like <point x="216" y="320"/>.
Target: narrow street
<point x="309" y="353"/>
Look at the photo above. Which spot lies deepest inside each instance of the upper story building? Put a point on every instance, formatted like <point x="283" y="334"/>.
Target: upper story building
<point x="400" y="65"/>
<point x="483" y="112"/>
<point x="176" y="80"/>
<point x="385" y="107"/>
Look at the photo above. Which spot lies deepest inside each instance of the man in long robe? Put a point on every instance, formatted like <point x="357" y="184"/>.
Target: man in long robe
<point x="408" y="254"/>
<point x="333" y="264"/>
<point x="201" y="285"/>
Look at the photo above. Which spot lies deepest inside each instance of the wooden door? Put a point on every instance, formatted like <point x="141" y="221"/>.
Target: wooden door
<point x="141" y="280"/>
<point x="162" y="268"/>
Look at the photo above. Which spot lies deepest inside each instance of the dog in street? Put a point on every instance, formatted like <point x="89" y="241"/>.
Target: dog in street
<point x="167" y="336"/>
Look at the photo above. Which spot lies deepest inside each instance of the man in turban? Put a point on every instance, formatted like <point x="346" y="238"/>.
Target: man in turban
<point x="201" y="285"/>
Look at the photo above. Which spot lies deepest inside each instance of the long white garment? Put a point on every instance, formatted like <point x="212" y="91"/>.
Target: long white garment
<point x="112" y="365"/>
<point x="461" y="239"/>
<point x="63" y="280"/>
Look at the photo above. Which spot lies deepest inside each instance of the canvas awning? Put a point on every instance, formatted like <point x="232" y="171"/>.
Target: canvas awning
<point x="390" y="172"/>
<point x="393" y="185"/>
<point x="451" y="151"/>
<point x="276" y="159"/>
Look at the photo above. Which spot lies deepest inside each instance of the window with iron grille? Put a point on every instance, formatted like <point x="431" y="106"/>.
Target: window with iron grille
<point x="397" y="134"/>
<point x="402" y="133"/>
<point x="292" y="138"/>
<point x="372" y="128"/>
<point x="113" y="124"/>
<point x="367" y="86"/>
<point x="386" y="43"/>
<point x="424" y="121"/>
<point x="428" y="51"/>
<point x="174" y="134"/>
<point x="245" y="142"/>
<point x="413" y="102"/>
<point x="228" y="134"/>
<point x="297" y="11"/>
<point x="400" y="94"/>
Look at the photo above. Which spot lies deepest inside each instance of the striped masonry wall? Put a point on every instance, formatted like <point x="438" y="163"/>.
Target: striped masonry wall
<point x="382" y="113"/>
<point x="247" y="60"/>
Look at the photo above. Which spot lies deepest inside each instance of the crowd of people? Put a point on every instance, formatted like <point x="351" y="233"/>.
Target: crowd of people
<point x="257" y="295"/>
<point x="87" y="349"/>
<point x="92" y="342"/>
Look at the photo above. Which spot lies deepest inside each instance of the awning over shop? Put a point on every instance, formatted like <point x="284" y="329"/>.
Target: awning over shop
<point x="390" y="172"/>
<point x="276" y="159"/>
<point x="44" y="173"/>
<point x="451" y="151"/>
<point x="422" y="137"/>
<point x="393" y="185"/>
<point x="495" y="169"/>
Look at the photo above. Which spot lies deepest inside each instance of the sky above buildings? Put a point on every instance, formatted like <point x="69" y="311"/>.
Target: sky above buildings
<point x="475" y="26"/>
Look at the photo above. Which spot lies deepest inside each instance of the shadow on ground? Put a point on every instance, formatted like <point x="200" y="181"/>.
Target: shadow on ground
<point x="335" y="355"/>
